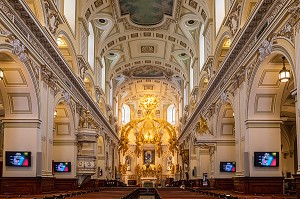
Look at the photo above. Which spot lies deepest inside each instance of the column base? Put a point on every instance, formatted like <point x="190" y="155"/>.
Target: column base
<point x="259" y="185"/>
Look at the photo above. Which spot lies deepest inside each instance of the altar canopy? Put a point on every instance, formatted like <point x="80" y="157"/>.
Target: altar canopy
<point x="151" y="143"/>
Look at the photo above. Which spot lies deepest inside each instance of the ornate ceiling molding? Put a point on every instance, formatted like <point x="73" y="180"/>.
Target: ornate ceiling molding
<point x="177" y="40"/>
<point x="160" y="63"/>
<point x="38" y="40"/>
<point x="240" y="49"/>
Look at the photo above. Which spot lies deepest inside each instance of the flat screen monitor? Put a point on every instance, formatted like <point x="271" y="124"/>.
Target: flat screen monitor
<point x="227" y="167"/>
<point x="62" y="166"/>
<point x="266" y="159"/>
<point x="18" y="158"/>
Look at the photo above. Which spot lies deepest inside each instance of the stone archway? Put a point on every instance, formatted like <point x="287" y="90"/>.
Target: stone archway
<point x="20" y="111"/>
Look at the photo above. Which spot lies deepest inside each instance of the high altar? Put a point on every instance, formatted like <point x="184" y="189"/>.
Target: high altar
<point x="148" y="148"/>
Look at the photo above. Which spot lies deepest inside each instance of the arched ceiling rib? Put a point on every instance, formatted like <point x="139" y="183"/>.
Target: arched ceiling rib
<point x="148" y="49"/>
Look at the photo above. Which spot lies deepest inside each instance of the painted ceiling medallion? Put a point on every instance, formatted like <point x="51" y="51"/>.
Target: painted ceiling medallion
<point x="146" y="12"/>
<point x="148" y="71"/>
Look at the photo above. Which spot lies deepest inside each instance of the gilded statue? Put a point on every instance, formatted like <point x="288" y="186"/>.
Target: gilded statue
<point x="172" y="169"/>
<point x="138" y="170"/>
<point x="158" y="171"/>
<point x="202" y="126"/>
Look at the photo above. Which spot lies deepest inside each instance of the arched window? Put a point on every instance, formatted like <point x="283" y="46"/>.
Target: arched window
<point x="191" y="79"/>
<point x="117" y="108"/>
<point x="219" y="13"/>
<point x="69" y="12"/>
<point x="103" y="75"/>
<point x="185" y="96"/>
<point x="111" y="97"/>
<point x="91" y="47"/>
<point x="171" y="114"/>
<point x="125" y="114"/>
<point x="201" y="48"/>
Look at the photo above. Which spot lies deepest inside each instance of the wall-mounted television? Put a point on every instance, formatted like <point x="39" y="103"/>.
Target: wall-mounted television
<point x="266" y="159"/>
<point x="227" y="167"/>
<point x="18" y="158"/>
<point x="62" y="166"/>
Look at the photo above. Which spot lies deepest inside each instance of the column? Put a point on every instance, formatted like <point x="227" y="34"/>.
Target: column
<point x="47" y="116"/>
<point x="297" y="66"/>
<point x="239" y="106"/>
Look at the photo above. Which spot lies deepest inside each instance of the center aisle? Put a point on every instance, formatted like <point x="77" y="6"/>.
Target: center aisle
<point x="168" y="193"/>
<point x="110" y="193"/>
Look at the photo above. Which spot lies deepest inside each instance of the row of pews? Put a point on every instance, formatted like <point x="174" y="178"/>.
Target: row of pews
<point x="227" y="194"/>
<point x="159" y="193"/>
<point x="103" y="192"/>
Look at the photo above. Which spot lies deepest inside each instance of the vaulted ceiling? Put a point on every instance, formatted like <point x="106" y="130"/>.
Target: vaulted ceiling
<point x="148" y="46"/>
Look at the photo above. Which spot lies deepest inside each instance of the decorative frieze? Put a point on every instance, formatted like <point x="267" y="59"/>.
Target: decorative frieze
<point x="18" y="48"/>
<point x="66" y="95"/>
<point x="238" y="78"/>
<point x="99" y="92"/>
<point x="26" y="26"/>
<point x="208" y="67"/>
<point x="3" y="32"/>
<point x="233" y="19"/>
<point x="49" y="78"/>
<point x="211" y="110"/>
<point x="35" y="68"/>
<point x="52" y="16"/>
<point x="86" y="165"/>
<point x="287" y="31"/>
<point x="6" y="10"/>
<point x="202" y="127"/>
<point x="83" y="66"/>
<point x="265" y="49"/>
<point x="279" y="5"/>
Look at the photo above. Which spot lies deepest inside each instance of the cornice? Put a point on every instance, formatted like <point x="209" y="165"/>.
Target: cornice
<point x="27" y="27"/>
<point x="244" y="42"/>
<point x="176" y="39"/>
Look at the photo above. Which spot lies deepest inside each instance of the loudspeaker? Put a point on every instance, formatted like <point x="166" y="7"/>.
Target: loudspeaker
<point x="39" y="164"/>
<point x="246" y="164"/>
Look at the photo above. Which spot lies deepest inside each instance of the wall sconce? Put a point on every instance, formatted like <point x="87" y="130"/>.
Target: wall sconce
<point x="55" y="114"/>
<point x="1" y="74"/>
<point x="284" y="74"/>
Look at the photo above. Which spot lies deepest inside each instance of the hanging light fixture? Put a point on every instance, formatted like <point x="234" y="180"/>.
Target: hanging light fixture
<point x="284" y="74"/>
<point x="55" y="114"/>
<point x="1" y="74"/>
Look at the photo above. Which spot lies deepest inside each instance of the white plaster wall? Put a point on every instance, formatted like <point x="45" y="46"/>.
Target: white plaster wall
<point x="204" y="165"/>
<point x="225" y="153"/>
<point x="65" y="153"/>
<point x="21" y="139"/>
<point x="264" y="140"/>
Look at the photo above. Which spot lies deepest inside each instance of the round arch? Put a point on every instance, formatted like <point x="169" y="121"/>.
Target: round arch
<point x="21" y="109"/>
<point x="66" y="47"/>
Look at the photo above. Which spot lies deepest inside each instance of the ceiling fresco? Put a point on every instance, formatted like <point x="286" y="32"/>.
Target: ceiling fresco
<point x="146" y="12"/>
<point x="147" y="71"/>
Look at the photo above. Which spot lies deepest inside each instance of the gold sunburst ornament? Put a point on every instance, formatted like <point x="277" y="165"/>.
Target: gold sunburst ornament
<point x="149" y="103"/>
